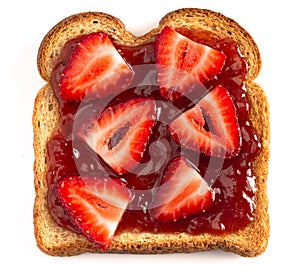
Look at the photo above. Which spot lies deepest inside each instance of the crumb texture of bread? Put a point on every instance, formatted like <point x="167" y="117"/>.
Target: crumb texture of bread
<point x="58" y="241"/>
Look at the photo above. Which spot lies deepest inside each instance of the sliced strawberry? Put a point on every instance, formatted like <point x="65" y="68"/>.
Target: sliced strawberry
<point x="121" y="133"/>
<point x="96" y="205"/>
<point x="220" y="113"/>
<point x="221" y="136"/>
<point x="183" y="193"/>
<point x="95" y="69"/>
<point x="183" y="64"/>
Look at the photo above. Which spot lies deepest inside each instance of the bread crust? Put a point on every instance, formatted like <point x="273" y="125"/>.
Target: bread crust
<point x="58" y="241"/>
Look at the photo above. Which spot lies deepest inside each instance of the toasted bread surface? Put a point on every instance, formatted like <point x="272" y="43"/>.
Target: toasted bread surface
<point x="58" y="241"/>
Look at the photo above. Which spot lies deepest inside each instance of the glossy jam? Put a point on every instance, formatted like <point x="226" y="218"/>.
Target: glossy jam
<point x="232" y="179"/>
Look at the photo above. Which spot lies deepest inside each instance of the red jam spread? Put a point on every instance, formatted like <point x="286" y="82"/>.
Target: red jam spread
<point x="235" y="183"/>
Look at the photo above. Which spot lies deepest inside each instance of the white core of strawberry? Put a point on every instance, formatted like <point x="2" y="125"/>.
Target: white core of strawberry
<point x="216" y="115"/>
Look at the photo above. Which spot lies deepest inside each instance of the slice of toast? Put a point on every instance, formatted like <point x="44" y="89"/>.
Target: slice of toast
<point x="58" y="241"/>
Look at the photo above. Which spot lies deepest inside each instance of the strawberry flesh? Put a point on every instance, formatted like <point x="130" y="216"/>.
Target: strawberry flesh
<point x="96" y="205"/>
<point x="219" y="134"/>
<point x="95" y="69"/>
<point x="119" y="135"/>
<point x="183" y="65"/>
<point x="182" y="193"/>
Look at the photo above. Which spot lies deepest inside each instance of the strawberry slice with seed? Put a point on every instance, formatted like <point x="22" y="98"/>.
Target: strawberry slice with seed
<point x="220" y="112"/>
<point x="119" y="135"/>
<point x="183" y="64"/>
<point x="182" y="193"/>
<point x="220" y="134"/>
<point x="95" y="69"/>
<point x="96" y="205"/>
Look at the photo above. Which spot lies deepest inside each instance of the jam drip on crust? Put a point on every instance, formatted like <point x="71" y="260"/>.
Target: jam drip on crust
<point x="232" y="180"/>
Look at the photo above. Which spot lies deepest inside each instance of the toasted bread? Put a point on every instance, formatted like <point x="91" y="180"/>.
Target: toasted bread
<point x="58" y="241"/>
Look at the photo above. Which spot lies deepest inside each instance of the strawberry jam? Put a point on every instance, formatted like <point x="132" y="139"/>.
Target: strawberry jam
<point x="232" y="180"/>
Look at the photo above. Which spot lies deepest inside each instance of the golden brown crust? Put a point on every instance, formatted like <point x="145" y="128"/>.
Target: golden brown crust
<point x="58" y="241"/>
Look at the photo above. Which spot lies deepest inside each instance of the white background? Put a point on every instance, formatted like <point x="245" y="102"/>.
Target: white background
<point x="275" y="27"/>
